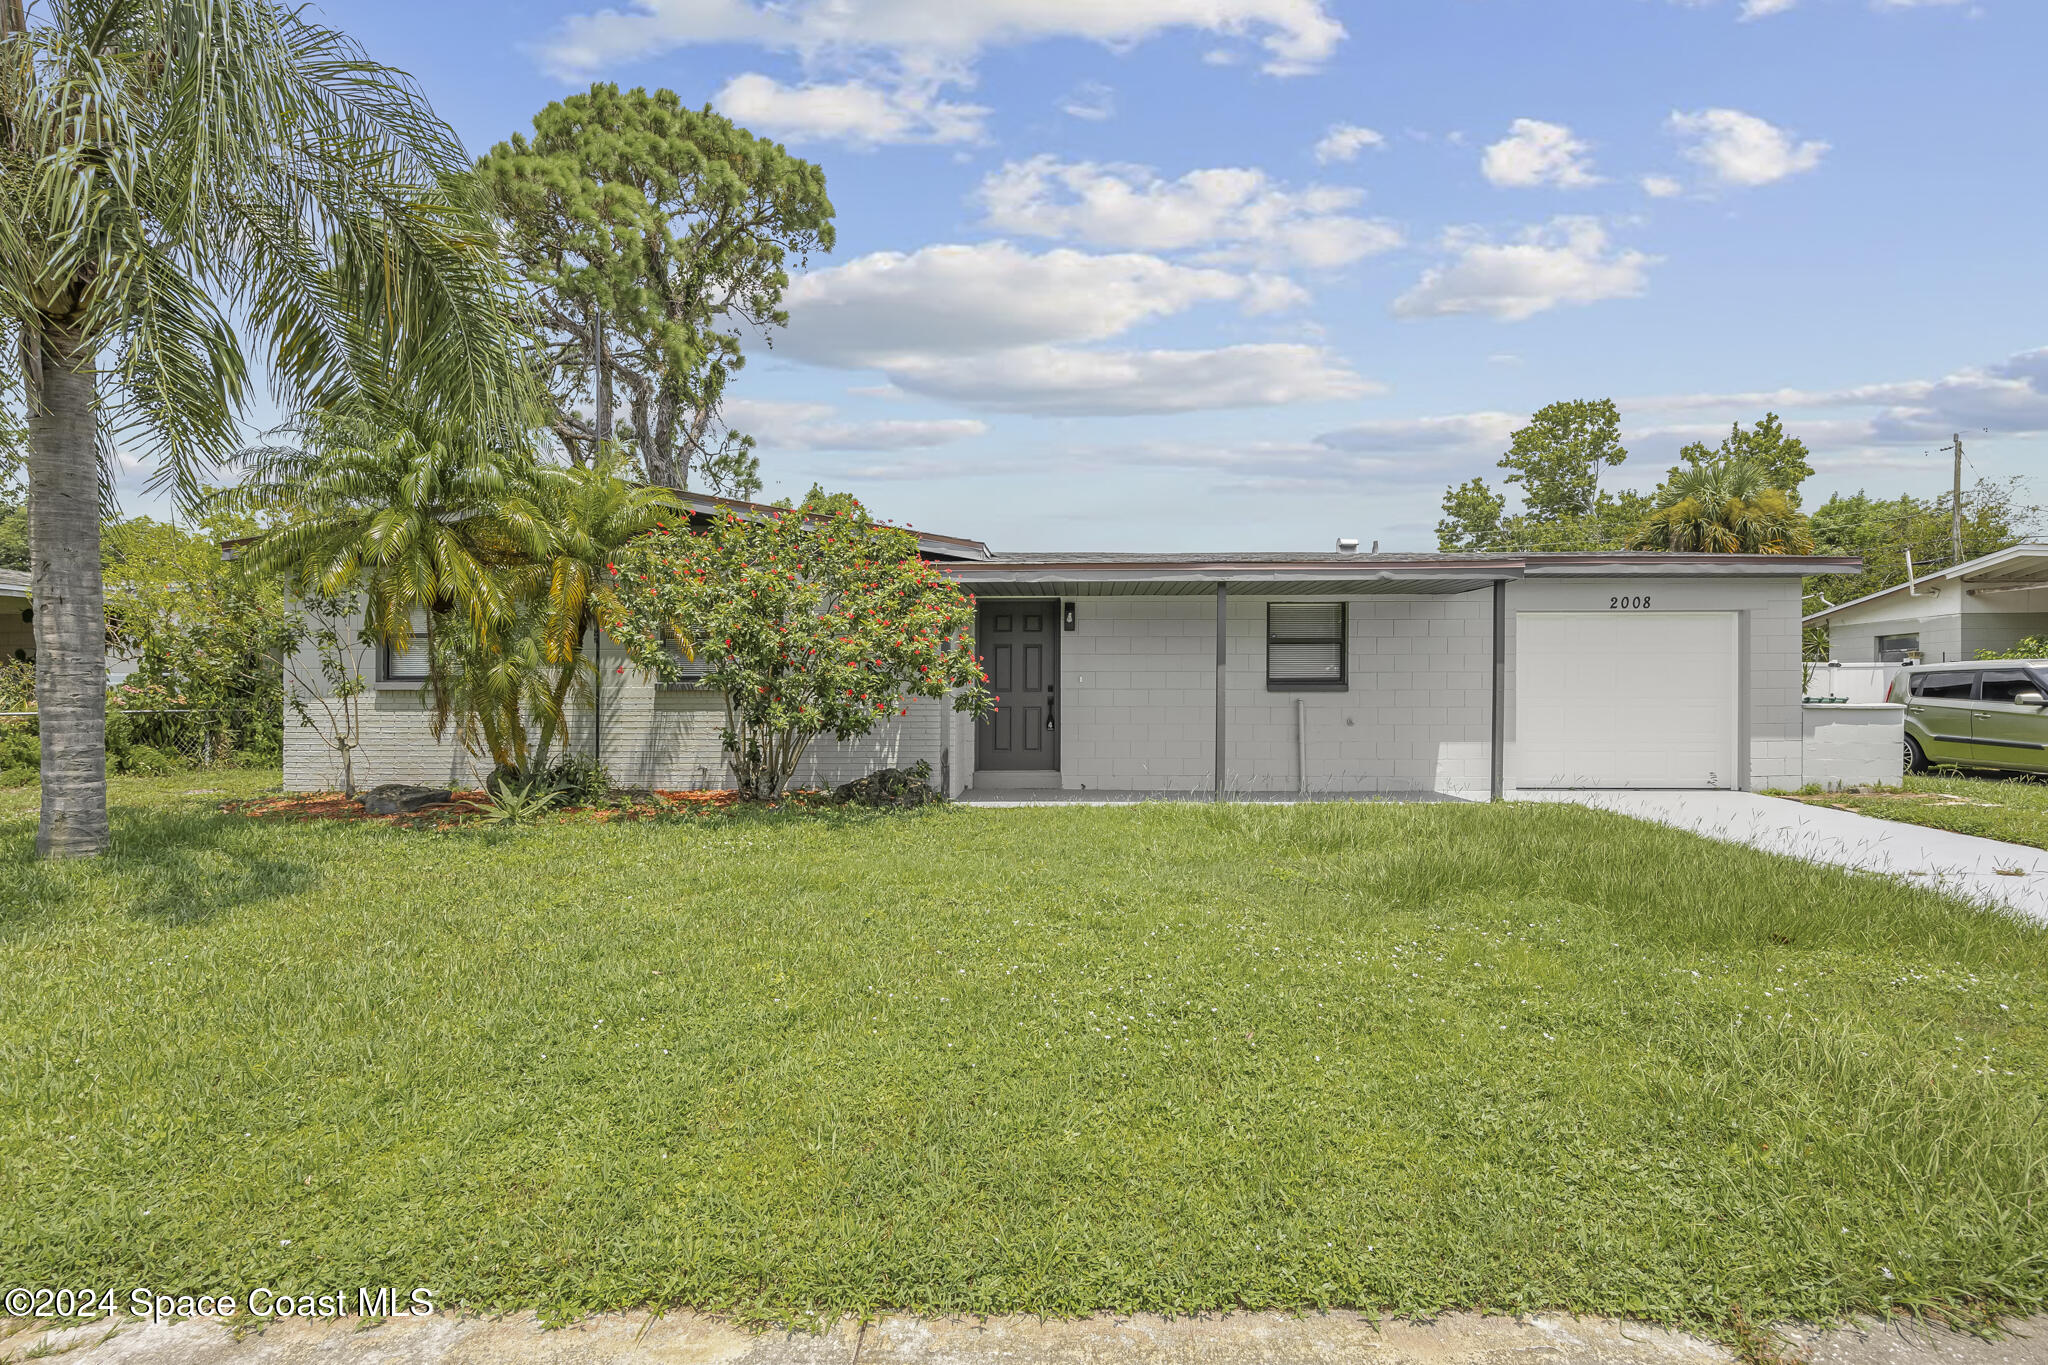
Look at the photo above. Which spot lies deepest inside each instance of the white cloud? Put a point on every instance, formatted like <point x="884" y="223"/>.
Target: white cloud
<point x="1662" y="187"/>
<point x="1378" y="454"/>
<point x="1091" y="101"/>
<point x="1345" y="141"/>
<point x="1297" y="35"/>
<point x="1060" y="381"/>
<point x="1538" y="153"/>
<point x="1762" y="9"/>
<point x="818" y="426"/>
<point x="1003" y="329"/>
<point x="1570" y="261"/>
<point x="1741" y="149"/>
<point x="852" y="111"/>
<point x="1434" y="438"/>
<point x="876" y="71"/>
<point x="952" y="300"/>
<point x="2009" y="398"/>
<point x="1238" y="215"/>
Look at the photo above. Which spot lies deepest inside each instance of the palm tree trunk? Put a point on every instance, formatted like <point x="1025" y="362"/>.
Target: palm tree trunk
<point x="69" y="601"/>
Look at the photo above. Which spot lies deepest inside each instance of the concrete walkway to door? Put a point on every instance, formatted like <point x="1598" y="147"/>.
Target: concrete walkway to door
<point x="1987" y="871"/>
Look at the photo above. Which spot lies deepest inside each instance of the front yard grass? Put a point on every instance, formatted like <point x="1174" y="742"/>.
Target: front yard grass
<point x="2013" y="808"/>
<point x="1171" y="1057"/>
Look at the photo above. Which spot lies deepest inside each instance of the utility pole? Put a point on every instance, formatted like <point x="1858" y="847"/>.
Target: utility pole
<point x="1955" y="508"/>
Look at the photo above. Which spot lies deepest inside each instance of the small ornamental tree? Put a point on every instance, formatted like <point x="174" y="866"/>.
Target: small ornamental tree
<point x="810" y="622"/>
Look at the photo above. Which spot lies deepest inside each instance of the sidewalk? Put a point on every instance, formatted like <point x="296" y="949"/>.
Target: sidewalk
<point x="1234" y="1339"/>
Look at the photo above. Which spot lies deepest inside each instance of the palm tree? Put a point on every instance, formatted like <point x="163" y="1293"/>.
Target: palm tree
<point x="393" y="504"/>
<point x="579" y="517"/>
<point x="503" y="554"/>
<point x="1724" y="507"/>
<point x="176" y="175"/>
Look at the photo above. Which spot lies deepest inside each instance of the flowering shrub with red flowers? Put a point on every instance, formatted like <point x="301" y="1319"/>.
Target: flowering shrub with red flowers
<point x="818" y="622"/>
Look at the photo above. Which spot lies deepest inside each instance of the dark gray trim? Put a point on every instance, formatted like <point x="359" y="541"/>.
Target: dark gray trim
<point x="386" y="657"/>
<point x="1222" y="659"/>
<point x="1498" y="758"/>
<point x="1341" y="683"/>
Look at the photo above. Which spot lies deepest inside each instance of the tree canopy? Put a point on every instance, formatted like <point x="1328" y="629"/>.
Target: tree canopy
<point x="1996" y="515"/>
<point x="1724" y="506"/>
<point x="1556" y="461"/>
<point x="652" y="236"/>
<point x="1779" y="458"/>
<point x="1557" y="458"/>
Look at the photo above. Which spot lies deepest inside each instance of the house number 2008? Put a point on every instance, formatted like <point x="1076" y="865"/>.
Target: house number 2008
<point x="1627" y="603"/>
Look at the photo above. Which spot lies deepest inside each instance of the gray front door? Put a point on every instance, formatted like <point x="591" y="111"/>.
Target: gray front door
<point x="1018" y="644"/>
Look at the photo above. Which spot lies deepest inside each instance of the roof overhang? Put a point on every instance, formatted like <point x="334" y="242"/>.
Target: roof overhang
<point x="2019" y="568"/>
<point x="1181" y="579"/>
<point x="1657" y="564"/>
<point x="928" y="544"/>
<point x="1182" y="576"/>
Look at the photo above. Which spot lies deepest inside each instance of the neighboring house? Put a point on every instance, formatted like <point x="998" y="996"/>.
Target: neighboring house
<point x="1312" y="672"/>
<point x="17" y="628"/>
<point x="1988" y="603"/>
<point x="18" y="631"/>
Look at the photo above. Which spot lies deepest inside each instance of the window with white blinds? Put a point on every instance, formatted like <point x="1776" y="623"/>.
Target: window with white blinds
<point x="408" y="662"/>
<point x="1305" y="645"/>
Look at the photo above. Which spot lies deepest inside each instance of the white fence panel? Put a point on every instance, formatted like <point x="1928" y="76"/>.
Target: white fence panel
<point x="1851" y="682"/>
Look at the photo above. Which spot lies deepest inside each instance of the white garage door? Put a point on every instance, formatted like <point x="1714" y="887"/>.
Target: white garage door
<point x="1625" y="699"/>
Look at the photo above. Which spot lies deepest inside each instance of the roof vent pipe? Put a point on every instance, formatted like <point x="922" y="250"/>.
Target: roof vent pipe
<point x="1912" y="583"/>
<point x="1347" y="545"/>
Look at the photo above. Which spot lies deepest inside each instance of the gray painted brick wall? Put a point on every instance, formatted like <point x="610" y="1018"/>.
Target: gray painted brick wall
<point x="651" y="738"/>
<point x="1138" y="703"/>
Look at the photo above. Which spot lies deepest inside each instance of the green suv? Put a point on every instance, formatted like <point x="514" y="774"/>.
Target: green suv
<point x="1988" y="714"/>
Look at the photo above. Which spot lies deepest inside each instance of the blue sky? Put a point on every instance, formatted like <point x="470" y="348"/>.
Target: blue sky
<point x="1184" y="274"/>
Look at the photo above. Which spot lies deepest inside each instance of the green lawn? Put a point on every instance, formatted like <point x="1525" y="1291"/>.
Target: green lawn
<point x="2014" y="809"/>
<point x="1171" y="1057"/>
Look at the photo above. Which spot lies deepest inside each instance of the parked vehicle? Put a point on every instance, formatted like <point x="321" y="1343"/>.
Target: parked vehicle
<point x="1986" y="714"/>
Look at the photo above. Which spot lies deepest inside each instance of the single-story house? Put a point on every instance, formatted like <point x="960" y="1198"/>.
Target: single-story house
<point x="1991" y="602"/>
<point x="17" y="622"/>
<point x="1313" y="672"/>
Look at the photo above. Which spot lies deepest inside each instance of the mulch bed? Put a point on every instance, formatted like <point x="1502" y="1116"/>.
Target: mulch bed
<point x="300" y="808"/>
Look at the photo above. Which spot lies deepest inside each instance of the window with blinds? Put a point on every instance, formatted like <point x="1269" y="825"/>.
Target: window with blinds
<point x="1305" y="645"/>
<point x="407" y="662"/>
<point x="693" y="670"/>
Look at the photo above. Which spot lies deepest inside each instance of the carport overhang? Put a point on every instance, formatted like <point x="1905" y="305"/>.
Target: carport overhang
<point x="1341" y="577"/>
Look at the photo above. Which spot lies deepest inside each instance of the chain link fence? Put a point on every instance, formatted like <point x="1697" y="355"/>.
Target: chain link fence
<point x="148" y="742"/>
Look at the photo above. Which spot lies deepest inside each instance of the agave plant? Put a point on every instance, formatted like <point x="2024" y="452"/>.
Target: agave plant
<point x="520" y="803"/>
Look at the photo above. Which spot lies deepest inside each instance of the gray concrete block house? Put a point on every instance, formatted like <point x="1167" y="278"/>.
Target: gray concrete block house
<point x="1313" y="672"/>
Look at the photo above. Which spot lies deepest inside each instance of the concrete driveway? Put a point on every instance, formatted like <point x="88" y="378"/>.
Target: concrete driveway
<point x="1987" y="871"/>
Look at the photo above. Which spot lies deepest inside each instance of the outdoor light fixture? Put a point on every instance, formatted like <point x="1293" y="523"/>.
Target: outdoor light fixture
<point x="1067" y="617"/>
